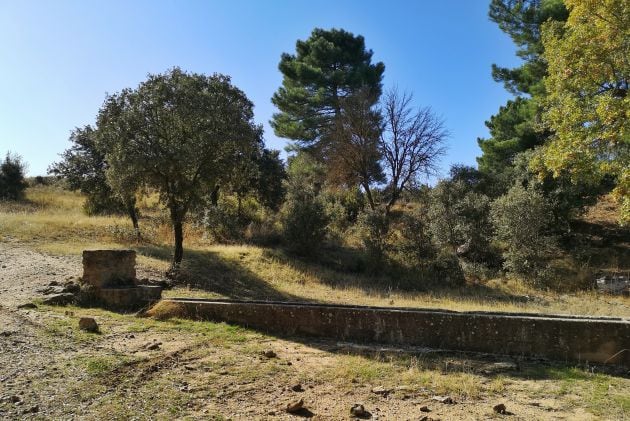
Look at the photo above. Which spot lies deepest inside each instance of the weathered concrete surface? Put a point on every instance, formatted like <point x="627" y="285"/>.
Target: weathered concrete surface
<point x="565" y="338"/>
<point x="128" y="298"/>
<point x="109" y="268"/>
<point x="113" y="274"/>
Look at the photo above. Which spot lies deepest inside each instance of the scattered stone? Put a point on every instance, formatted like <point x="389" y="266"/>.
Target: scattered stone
<point x="358" y="410"/>
<point x="6" y="333"/>
<point x="189" y="367"/>
<point x="443" y="399"/>
<point x="62" y="299"/>
<point x="153" y="346"/>
<point x="14" y="399"/>
<point x="499" y="367"/>
<point x="428" y="418"/>
<point x="297" y="388"/>
<point x="500" y="409"/>
<point x="380" y="390"/>
<point x="71" y="287"/>
<point x="270" y="354"/>
<point x="53" y="283"/>
<point x="425" y="408"/>
<point x="295" y="406"/>
<point x="32" y="410"/>
<point x="224" y="373"/>
<point x="27" y="306"/>
<point x="88" y="324"/>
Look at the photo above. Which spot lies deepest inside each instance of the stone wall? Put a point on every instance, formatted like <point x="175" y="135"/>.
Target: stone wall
<point x="109" y="268"/>
<point x="565" y="338"/>
<point x="113" y="274"/>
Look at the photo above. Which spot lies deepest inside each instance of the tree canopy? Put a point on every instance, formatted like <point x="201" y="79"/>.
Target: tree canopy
<point x="327" y="67"/>
<point x="588" y="106"/>
<point x="179" y="133"/>
<point x="83" y="167"/>
<point x="515" y="128"/>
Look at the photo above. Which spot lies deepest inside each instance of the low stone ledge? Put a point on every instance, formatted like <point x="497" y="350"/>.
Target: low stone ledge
<point x="557" y="337"/>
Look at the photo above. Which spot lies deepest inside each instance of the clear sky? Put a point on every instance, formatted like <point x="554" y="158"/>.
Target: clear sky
<point x="59" y="58"/>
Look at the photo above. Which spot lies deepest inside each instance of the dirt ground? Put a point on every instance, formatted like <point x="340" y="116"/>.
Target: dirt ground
<point x="49" y="369"/>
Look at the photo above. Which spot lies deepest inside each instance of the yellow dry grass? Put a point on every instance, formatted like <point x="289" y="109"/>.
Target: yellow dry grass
<point x="52" y="220"/>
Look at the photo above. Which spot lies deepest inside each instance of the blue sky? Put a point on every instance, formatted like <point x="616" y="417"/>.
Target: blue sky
<point x="60" y="58"/>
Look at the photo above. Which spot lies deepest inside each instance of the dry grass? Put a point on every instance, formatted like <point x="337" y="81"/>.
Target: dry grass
<point x="52" y="221"/>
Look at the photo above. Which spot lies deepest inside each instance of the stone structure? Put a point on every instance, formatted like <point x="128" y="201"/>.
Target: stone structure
<point x="564" y="338"/>
<point x="112" y="273"/>
<point x="109" y="268"/>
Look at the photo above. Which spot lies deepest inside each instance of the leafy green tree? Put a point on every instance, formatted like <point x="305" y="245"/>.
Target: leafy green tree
<point x="522" y="21"/>
<point x="83" y="167"/>
<point x="179" y="133"/>
<point x="514" y="128"/>
<point x="304" y="216"/>
<point x="588" y="106"/>
<point x="12" y="183"/>
<point x="523" y="220"/>
<point x="327" y="67"/>
<point x="460" y="219"/>
<point x="327" y="105"/>
<point x="271" y="176"/>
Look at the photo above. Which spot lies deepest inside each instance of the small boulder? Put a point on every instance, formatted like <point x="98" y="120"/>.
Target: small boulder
<point x="270" y="354"/>
<point x="359" y="411"/>
<point x="88" y="324"/>
<point x="425" y="408"/>
<point x="27" y="306"/>
<point x="380" y="390"/>
<point x="297" y="388"/>
<point x="62" y="299"/>
<point x="444" y="399"/>
<point x="500" y="409"/>
<point x="153" y="346"/>
<point x="295" y="406"/>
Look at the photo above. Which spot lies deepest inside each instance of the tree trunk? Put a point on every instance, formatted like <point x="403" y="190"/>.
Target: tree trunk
<point x="131" y="210"/>
<point x="368" y="194"/>
<point x="214" y="196"/>
<point x="178" y="230"/>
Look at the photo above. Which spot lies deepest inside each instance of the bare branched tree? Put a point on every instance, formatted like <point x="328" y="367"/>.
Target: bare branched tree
<point x="411" y="144"/>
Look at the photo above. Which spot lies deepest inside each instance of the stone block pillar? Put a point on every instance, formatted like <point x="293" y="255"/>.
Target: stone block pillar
<point x="109" y="268"/>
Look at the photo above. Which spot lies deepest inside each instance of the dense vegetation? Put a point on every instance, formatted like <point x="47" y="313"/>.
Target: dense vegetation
<point x="360" y="156"/>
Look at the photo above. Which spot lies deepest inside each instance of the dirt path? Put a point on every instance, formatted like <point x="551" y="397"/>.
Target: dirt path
<point x="51" y="370"/>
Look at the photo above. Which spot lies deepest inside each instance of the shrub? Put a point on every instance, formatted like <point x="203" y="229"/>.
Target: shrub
<point x="12" y="182"/>
<point x="373" y="228"/>
<point x="522" y="219"/>
<point x="304" y="222"/>
<point x="460" y="220"/>
<point x="415" y="244"/>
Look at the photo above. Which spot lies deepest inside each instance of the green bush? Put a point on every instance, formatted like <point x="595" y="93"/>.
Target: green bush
<point x="373" y="228"/>
<point x="414" y="243"/>
<point x="304" y="222"/>
<point x="12" y="182"/>
<point x="460" y="221"/>
<point x="523" y="221"/>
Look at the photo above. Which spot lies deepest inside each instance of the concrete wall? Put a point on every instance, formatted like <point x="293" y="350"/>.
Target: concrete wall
<point x="564" y="338"/>
<point x="109" y="268"/>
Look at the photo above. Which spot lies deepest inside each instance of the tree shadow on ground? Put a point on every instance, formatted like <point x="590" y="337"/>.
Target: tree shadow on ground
<point x="339" y="272"/>
<point x="209" y="272"/>
<point x="489" y="366"/>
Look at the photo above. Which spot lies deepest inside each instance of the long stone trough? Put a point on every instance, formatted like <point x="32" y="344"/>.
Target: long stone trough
<point x="603" y="340"/>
